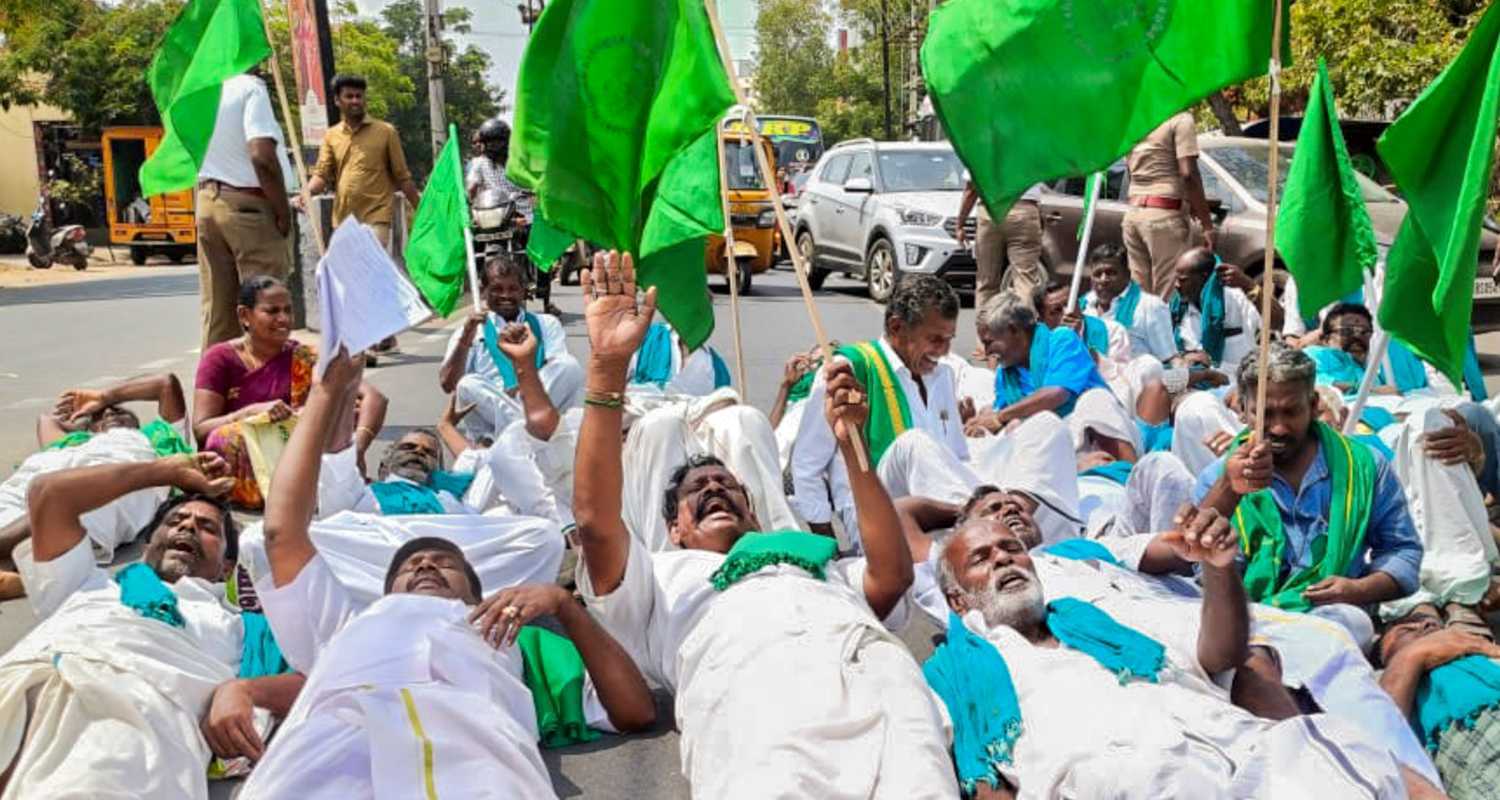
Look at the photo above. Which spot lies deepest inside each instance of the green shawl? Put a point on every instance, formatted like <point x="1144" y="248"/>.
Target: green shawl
<point x="1351" y="467"/>
<point x="755" y="551"/>
<point x="890" y="416"/>
<point x="554" y="672"/>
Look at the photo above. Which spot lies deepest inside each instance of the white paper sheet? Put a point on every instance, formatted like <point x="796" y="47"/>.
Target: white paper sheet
<point x="362" y="296"/>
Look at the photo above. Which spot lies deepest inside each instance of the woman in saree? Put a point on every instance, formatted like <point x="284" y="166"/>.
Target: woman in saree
<point x="250" y="389"/>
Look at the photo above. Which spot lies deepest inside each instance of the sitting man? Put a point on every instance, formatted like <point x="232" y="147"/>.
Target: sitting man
<point x="127" y="687"/>
<point x="421" y="694"/>
<point x="484" y="377"/>
<point x="1049" y="369"/>
<point x="1143" y="723"/>
<point x="90" y="427"/>
<point x="909" y="389"/>
<point x="665" y="365"/>
<point x="787" y="684"/>
<point x="1447" y="682"/>
<point x="1114" y="296"/>
<point x="1217" y="325"/>
<point x="1345" y="345"/>
<point x="1323" y="518"/>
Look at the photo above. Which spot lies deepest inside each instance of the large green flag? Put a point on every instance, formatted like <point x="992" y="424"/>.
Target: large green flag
<point x="1441" y="152"/>
<point x="435" y="252"/>
<point x="1034" y="90"/>
<point x="1323" y="230"/>
<point x="209" y="42"/>
<point x="617" y="106"/>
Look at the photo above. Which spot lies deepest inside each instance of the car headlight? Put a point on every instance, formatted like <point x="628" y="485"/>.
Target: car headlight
<point x="767" y="219"/>
<point x="919" y="218"/>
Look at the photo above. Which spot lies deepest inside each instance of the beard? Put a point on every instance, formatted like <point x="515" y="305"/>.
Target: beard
<point x="1017" y="608"/>
<point x="171" y="565"/>
<point x="414" y="470"/>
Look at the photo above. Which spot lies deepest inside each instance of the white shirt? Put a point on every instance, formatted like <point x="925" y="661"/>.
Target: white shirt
<point x="692" y="375"/>
<point x="341" y="487"/>
<point x="244" y="115"/>
<point x="971" y="381"/>
<point x="1239" y="313"/>
<point x="1152" y="329"/>
<point x="814" y="455"/>
<point x="479" y="362"/>
<point x="1032" y="194"/>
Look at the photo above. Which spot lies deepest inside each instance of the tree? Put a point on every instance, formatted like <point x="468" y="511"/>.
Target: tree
<point x="793" y="61"/>
<point x="468" y="97"/>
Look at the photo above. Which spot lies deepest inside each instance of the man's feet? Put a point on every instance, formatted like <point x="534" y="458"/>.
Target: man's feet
<point x="387" y="345"/>
<point x="11" y="586"/>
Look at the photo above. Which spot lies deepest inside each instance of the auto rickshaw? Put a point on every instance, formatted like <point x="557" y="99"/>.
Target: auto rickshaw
<point x="756" y="240"/>
<point x="164" y="224"/>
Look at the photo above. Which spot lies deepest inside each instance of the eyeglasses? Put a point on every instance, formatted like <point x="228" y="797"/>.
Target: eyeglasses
<point x="1354" y="332"/>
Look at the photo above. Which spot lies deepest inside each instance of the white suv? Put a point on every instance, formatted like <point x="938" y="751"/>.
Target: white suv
<point x="881" y="209"/>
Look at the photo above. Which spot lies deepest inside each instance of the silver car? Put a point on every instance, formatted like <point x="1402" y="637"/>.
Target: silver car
<point x="879" y="210"/>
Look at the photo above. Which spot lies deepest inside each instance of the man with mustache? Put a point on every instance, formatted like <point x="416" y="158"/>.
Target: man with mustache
<point x="128" y="685"/>
<point x="786" y="682"/>
<point x="910" y="389"/>
<point x="1066" y="698"/>
<point x="1324" y="518"/>
<point x="420" y="694"/>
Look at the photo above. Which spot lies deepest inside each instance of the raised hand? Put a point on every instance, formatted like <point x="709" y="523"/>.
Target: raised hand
<point x="796" y="366"/>
<point x="499" y="618"/>
<point x="846" y="405"/>
<point x="1250" y="468"/>
<point x="518" y="344"/>
<point x="617" y="323"/>
<point x="200" y="473"/>
<point x="76" y="404"/>
<point x="341" y="373"/>
<point x="1437" y="649"/>
<point x="1202" y="535"/>
<point x="453" y="413"/>
<point x="472" y="324"/>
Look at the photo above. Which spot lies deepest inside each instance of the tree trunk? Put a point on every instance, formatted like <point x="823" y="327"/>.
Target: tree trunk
<point x="1224" y="112"/>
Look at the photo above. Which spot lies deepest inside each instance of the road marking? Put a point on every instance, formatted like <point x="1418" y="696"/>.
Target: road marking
<point x="29" y="402"/>
<point x="160" y="363"/>
<point x="195" y="351"/>
<point x="9" y="375"/>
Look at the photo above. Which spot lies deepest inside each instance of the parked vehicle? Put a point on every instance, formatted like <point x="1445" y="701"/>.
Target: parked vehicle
<point x="756" y="240"/>
<point x="46" y="246"/>
<point x="1235" y="179"/>
<point x="164" y="224"/>
<point x="879" y="210"/>
<point x="12" y="233"/>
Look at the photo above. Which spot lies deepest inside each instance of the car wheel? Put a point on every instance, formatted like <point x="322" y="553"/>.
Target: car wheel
<point x="815" y="276"/>
<point x="138" y="256"/>
<point x="881" y="270"/>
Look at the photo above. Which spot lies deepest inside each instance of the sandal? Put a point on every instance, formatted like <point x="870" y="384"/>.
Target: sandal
<point x="1466" y="619"/>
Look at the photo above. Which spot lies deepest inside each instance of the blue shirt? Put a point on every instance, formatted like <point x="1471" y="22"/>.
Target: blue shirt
<point x="1391" y="542"/>
<point x="1058" y="358"/>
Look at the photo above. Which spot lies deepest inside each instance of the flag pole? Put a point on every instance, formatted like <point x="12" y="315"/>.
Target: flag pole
<point x="799" y="263"/>
<point x="732" y="268"/>
<point x="1273" y="167"/>
<point x="291" y="130"/>
<point x="1374" y="360"/>
<point x="1083" y="243"/>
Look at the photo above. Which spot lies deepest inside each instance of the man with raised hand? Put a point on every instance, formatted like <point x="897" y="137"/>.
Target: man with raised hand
<point x="787" y="684"/>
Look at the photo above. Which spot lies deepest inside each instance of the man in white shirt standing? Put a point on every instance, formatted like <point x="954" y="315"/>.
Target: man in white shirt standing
<point x="909" y="387"/>
<point x="242" y="208"/>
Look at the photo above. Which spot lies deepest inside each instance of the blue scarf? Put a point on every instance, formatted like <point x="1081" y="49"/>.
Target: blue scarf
<point x="653" y="361"/>
<point x="972" y="679"/>
<point x="1096" y="334"/>
<point x="1055" y="360"/>
<point x="1125" y="305"/>
<point x="143" y="590"/>
<point x="260" y="655"/>
<point x="1154" y="438"/>
<point x="1211" y="325"/>
<point x="502" y="362"/>
<point x="405" y="497"/>
<point x="1080" y="549"/>
<point x="1410" y="372"/>
<point x="1117" y="471"/>
<point x="1456" y="694"/>
<point x="1473" y="375"/>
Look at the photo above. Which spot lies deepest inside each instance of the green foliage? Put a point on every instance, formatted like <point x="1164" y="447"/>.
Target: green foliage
<point x="793" y="53"/>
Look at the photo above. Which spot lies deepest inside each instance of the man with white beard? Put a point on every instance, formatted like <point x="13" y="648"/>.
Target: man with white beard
<point x="1060" y="699"/>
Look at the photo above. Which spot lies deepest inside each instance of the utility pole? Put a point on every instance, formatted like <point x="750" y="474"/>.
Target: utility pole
<point x="885" y="63"/>
<point x="435" y="61"/>
<point x="531" y="11"/>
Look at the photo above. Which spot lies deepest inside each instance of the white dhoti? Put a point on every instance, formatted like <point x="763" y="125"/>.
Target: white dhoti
<point x="917" y="465"/>
<point x="1448" y="509"/>
<point x="504" y="551"/>
<point x="521" y="474"/>
<point x="786" y="431"/>
<point x="1129" y="379"/>
<point x="111" y="525"/>
<point x="1197" y="419"/>
<point x="495" y="408"/>
<point x="1037" y="458"/>
<point x="1100" y="413"/>
<point x="665" y="437"/>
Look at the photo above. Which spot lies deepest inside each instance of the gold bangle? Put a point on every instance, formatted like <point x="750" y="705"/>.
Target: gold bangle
<point x="365" y="430"/>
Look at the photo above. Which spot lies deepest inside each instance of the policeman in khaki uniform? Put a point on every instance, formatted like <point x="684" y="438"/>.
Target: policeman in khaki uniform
<point x="1008" y="254"/>
<point x="1163" y="178"/>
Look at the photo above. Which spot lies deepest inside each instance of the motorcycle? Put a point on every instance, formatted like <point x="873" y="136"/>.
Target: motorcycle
<point x="45" y="246"/>
<point x="502" y="224"/>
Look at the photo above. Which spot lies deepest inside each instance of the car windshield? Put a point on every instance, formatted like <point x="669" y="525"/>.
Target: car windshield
<point x="1246" y="163"/>
<point x="740" y="170"/>
<point x="921" y="171"/>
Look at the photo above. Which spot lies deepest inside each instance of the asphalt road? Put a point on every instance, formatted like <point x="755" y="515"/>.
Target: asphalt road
<point x="90" y="334"/>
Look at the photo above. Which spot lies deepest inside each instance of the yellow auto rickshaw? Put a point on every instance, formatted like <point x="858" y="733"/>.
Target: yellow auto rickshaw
<point x="756" y="240"/>
<point x="162" y="225"/>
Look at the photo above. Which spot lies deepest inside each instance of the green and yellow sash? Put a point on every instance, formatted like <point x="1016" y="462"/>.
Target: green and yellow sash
<point x="1351" y="468"/>
<point x="890" y="416"/>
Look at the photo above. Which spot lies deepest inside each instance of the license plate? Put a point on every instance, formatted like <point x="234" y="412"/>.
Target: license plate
<point x="1486" y="289"/>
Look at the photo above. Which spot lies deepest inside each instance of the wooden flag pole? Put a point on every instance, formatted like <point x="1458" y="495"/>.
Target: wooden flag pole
<point x="291" y="130"/>
<point x="799" y="263"/>
<point x="1083" y="243"/>
<point x="1268" y="286"/>
<point x="732" y="268"/>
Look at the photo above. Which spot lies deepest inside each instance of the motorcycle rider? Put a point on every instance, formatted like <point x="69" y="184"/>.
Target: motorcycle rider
<point x="487" y="173"/>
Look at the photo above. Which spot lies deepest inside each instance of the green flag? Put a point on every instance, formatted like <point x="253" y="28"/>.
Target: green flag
<point x="545" y="244"/>
<point x="209" y="42"/>
<point x="617" y="104"/>
<point x="1074" y="84"/>
<point x="436" y="258"/>
<point x="1440" y="152"/>
<point x="1323" y="231"/>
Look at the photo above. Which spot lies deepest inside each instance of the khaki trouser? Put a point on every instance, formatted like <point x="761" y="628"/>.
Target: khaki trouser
<point x="237" y="239"/>
<point x="382" y="231"/>
<point x="1154" y="238"/>
<point x="1008" y="255"/>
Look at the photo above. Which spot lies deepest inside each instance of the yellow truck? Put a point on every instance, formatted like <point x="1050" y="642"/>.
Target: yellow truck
<point x="160" y="225"/>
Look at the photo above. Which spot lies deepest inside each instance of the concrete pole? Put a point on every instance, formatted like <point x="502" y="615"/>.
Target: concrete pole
<point x="435" y="62"/>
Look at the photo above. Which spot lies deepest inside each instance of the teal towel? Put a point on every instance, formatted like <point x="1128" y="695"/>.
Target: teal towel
<point x="143" y="590"/>
<point x="1126" y="652"/>
<point x="1082" y="550"/>
<point x="260" y="656"/>
<point x="502" y="361"/>
<point x="1211" y="324"/>
<point x="1117" y="471"/>
<point x="971" y="677"/>
<point x="1455" y="694"/>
